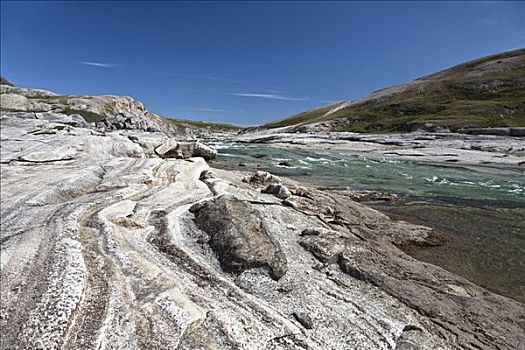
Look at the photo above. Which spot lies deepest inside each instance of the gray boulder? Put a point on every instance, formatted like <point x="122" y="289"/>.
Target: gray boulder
<point x="278" y="190"/>
<point x="238" y="236"/>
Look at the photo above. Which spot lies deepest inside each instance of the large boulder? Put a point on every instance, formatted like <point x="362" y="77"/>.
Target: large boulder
<point x="238" y="236"/>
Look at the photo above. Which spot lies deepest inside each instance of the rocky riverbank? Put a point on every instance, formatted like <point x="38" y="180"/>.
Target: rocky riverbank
<point x="127" y="239"/>
<point x="439" y="148"/>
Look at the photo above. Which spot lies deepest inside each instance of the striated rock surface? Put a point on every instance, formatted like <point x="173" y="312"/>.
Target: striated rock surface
<point x="107" y="245"/>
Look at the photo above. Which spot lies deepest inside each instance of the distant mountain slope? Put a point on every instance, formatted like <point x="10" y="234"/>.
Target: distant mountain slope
<point x="204" y="125"/>
<point x="487" y="92"/>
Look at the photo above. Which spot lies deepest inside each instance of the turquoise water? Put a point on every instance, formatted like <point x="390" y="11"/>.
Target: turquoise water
<point x="482" y="209"/>
<point x="400" y="177"/>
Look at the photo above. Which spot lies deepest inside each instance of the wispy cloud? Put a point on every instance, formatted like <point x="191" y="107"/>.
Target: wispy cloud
<point x="98" y="64"/>
<point x="225" y="80"/>
<point x="331" y="101"/>
<point x="270" y="96"/>
<point x="202" y="77"/>
<point x="204" y="109"/>
<point x="491" y="22"/>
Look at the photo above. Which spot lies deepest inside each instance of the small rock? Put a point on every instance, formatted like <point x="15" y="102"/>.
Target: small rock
<point x="286" y="288"/>
<point x="164" y="147"/>
<point x="278" y="190"/>
<point x="302" y="192"/>
<point x="289" y="203"/>
<point x="285" y="163"/>
<point x="326" y="249"/>
<point x="317" y="231"/>
<point x="262" y="177"/>
<point x="304" y="319"/>
<point x="205" y="175"/>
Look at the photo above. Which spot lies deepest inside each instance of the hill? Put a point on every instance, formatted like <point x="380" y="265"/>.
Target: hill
<point x="204" y="125"/>
<point x="105" y="111"/>
<point x="488" y="92"/>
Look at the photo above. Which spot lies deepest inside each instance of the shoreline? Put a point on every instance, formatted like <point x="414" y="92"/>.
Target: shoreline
<point x="446" y="149"/>
<point x="482" y="207"/>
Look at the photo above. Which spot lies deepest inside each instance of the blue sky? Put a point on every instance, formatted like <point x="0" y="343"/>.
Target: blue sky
<point x="245" y="62"/>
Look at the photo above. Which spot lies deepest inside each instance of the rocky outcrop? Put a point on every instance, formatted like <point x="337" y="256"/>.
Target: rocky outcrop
<point x="4" y="81"/>
<point x="440" y="147"/>
<point x="28" y="93"/>
<point x="517" y="132"/>
<point x="19" y="103"/>
<point x="105" y="113"/>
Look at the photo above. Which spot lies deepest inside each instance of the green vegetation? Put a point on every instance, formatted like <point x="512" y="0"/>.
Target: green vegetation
<point x="89" y="117"/>
<point x="489" y="92"/>
<point x="214" y="127"/>
<point x="47" y="98"/>
<point x="442" y="104"/>
<point x="302" y="118"/>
